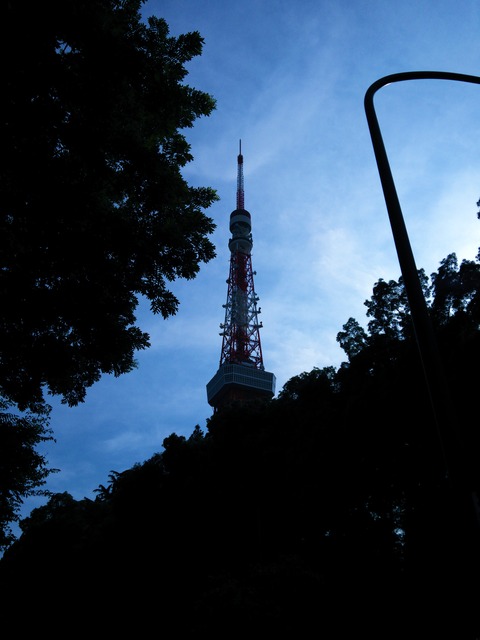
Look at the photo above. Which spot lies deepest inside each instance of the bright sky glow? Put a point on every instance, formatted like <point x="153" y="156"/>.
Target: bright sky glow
<point x="289" y="79"/>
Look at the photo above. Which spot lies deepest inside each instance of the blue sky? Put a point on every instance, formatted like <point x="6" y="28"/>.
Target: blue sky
<point x="289" y="79"/>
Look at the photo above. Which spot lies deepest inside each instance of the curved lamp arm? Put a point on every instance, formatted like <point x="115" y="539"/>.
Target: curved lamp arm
<point x="457" y="468"/>
<point x="404" y="251"/>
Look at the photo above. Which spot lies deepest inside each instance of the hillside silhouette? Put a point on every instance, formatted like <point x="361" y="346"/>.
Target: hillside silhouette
<point x="325" y="512"/>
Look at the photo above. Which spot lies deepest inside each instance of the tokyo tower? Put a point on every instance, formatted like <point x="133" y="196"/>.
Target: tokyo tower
<point x="241" y="375"/>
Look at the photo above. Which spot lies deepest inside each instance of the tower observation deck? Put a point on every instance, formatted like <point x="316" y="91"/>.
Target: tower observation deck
<point x="241" y="375"/>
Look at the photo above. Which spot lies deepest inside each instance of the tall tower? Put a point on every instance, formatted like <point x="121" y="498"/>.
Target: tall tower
<point x="241" y="375"/>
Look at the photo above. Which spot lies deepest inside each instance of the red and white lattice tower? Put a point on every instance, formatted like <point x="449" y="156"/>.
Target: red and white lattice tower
<point x="241" y="375"/>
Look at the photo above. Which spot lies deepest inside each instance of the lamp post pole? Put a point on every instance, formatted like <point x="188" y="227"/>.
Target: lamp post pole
<point x="456" y="466"/>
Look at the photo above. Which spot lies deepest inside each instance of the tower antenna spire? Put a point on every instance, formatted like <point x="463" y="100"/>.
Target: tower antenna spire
<point x="241" y="375"/>
<point x="240" y="192"/>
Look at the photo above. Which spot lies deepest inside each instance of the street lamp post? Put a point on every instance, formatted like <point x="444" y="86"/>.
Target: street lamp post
<point x="455" y="459"/>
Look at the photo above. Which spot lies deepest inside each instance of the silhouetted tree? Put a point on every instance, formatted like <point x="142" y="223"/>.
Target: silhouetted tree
<point x="317" y="509"/>
<point x="23" y="471"/>
<point x="352" y="339"/>
<point x="94" y="210"/>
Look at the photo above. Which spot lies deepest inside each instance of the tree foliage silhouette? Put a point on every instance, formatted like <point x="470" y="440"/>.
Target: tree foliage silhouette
<point x="94" y="210"/>
<point x="320" y="507"/>
<point x="23" y="471"/>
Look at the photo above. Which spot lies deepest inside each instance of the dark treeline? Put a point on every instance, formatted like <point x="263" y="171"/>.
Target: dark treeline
<point x="325" y="512"/>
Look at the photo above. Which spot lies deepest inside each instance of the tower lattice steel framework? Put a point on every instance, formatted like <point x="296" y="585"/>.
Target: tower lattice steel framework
<point x="241" y="375"/>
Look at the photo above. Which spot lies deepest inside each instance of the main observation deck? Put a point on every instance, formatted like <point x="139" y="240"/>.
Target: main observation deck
<point x="232" y="379"/>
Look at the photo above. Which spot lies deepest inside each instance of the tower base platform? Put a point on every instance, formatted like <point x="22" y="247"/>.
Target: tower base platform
<point x="239" y="382"/>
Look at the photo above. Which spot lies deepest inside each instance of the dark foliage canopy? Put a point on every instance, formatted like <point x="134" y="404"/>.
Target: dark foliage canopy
<point x="94" y="211"/>
<point x="325" y="509"/>
<point x="23" y="471"/>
